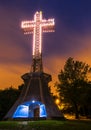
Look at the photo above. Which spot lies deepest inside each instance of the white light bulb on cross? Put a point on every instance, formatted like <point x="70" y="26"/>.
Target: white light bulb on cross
<point x="37" y="27"/>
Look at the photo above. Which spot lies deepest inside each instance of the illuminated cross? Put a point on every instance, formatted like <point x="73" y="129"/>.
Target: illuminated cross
<point x="37" y="27"/>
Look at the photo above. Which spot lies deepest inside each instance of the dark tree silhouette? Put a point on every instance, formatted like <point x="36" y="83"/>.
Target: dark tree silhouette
<point x="7" y="98"/>
<point x="73" y="84"/>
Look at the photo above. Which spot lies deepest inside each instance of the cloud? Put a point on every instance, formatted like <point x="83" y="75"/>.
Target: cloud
<point x="14" y="46"/>
<point x="10" y="75"/>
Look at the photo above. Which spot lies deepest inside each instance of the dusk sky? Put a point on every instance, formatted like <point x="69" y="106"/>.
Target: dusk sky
<point x="72" y="36"/>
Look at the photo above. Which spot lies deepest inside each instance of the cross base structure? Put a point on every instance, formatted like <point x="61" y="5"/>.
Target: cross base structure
<point x="35" y="101"/>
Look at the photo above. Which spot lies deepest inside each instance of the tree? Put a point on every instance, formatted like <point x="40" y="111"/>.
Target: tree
<point x="7" y="98"/>
<point x="73" y="81"/>
<point x="86" y="101"/>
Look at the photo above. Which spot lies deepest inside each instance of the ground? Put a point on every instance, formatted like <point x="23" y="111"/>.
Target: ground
<point x="46" y="125"/>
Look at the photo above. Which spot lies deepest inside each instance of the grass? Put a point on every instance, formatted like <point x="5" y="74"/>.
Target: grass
<point x="46" y="125"/>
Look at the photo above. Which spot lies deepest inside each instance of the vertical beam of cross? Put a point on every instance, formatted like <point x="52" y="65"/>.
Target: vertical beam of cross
<point x="37" y="27"/>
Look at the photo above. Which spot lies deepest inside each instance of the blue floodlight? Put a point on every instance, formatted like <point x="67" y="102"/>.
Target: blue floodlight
<point x="33" y="101"/>
<point x="21" y="112"/>
<point x="26" y="110"/>
<point x="43" y="111"/>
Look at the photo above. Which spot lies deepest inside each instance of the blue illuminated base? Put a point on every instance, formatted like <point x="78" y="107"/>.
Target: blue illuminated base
<point x="30" y="109"/>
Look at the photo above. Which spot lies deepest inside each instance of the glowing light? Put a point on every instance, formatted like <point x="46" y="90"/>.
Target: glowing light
<point x="43" y="111"/>
<point x="57" y="101"/>
<point x="37" y="26"/>
<point x="26" y="110"/>
<point x="21" y="111"/>
<point x="33" y="101"/>
<point x="34" y="42"/>
<point x="40" y="47"/>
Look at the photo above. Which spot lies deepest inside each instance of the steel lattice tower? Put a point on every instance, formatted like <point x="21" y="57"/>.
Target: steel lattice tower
<point x="37" y="27"/>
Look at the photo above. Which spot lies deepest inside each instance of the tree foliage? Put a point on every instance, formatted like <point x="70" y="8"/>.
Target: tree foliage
<point x="74" y="84"/>
<point x="8" y="97"/>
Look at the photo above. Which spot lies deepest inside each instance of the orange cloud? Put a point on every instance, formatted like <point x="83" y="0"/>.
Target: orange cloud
<point x="10" y="75"/>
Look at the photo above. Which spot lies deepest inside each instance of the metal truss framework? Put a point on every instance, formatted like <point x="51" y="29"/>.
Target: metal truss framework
<point x="37" y="27"/>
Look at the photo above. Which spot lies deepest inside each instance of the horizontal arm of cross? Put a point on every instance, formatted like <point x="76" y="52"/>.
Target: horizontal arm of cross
<point x="49" y="22"/>
<point x="28" y="26"/>
<point x="48" y="25"/>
